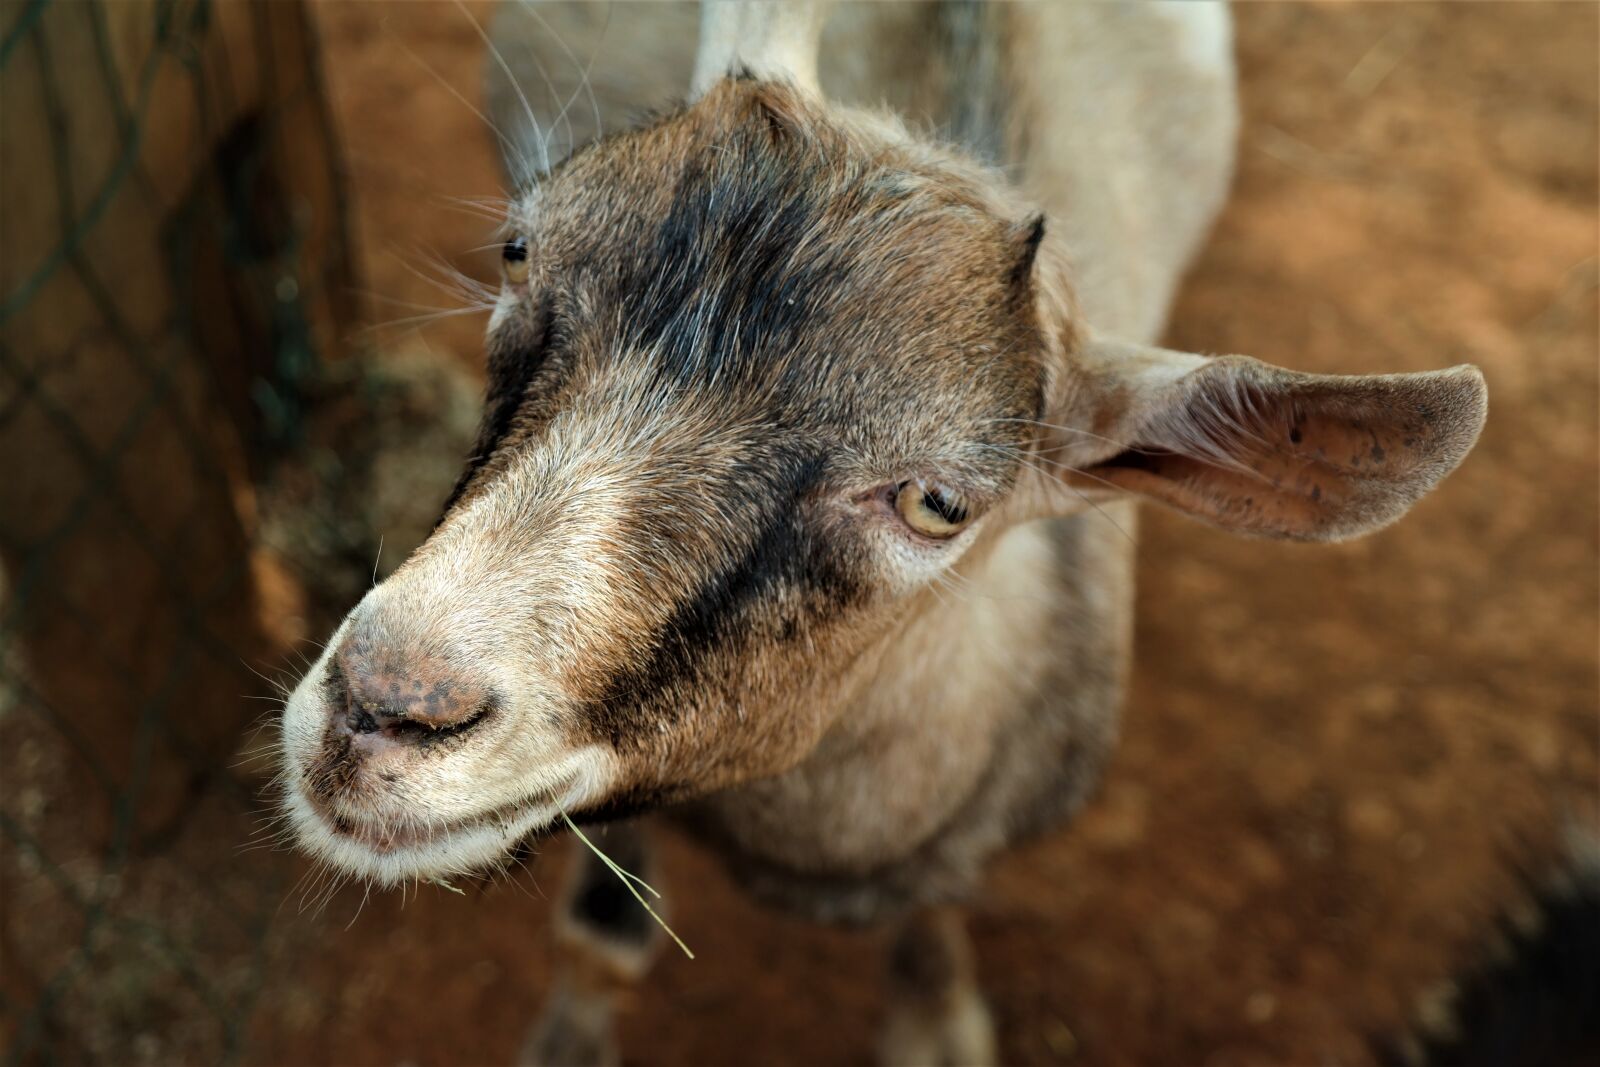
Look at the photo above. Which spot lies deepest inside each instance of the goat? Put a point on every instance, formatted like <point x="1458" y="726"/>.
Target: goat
<point x="803" y="501"/>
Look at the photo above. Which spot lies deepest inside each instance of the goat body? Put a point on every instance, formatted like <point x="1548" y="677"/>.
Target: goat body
<point x="803" y="504"/>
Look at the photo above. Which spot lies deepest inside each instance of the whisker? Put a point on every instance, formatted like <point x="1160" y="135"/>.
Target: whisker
<point x="452" y="280"/>
<point x="412" y="305"/>
<point x="584" y="82"/>
<point x="495" y="205"/>
<point x="413" y="321"/>
<point x="406" y="176"/>
<point x="366" y="891"/>
<point x="1068" y="429"/>
<point x="1030" y="460"/>
<point x="527" y="109"/>
<point x="510" y="149"/>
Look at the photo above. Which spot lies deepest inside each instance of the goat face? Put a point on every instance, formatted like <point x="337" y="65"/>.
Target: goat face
<point x="759" y="373"/>
<point x="755" y="379"/>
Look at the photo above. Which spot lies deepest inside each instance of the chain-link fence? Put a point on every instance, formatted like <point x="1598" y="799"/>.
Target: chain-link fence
<point x="174" y="276"/>
<point x="191" y="485"/>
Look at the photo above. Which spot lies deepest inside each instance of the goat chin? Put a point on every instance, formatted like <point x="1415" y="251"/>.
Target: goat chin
<point x="461" y="849"/>
<point x="387" y="844"/>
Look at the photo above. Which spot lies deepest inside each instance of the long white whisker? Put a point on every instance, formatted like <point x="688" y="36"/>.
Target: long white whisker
<point x="451" y="280"/>
<point x="584" y="82"/>
<point x="1068" y="429"/>
<point x="510" y="149"/>
<point x="414" y="321"/>
<point x="1030" y="460"/>
<point x="527" y="109"/>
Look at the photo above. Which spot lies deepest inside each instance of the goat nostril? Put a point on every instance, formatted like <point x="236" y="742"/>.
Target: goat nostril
<point x="400" y="720"/>
<point x="410" y="725"/>
<point x="391" y="694"/>
<point x="347" y="709"/>
<point x="361" y="721"/>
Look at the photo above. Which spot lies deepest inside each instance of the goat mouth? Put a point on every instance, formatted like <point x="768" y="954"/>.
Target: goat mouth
<point x="388" y="836"/>
<point x="391" y="836"/>
<point x="389" y="843"/>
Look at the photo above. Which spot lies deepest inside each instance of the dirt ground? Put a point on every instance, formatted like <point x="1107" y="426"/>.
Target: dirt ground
<point x="1332" y="756"/>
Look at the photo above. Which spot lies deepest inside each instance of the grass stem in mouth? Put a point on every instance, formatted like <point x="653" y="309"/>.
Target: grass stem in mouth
<point x="628" y="879"/>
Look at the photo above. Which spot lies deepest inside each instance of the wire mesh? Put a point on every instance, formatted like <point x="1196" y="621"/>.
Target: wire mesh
<point x="173" y="277"/>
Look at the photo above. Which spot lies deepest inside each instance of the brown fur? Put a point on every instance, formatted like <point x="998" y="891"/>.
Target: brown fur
<point x="746" y="327"/>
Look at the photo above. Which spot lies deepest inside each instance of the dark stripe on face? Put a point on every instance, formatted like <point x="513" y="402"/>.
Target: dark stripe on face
<point x="719" y="287"/>
<point x="515" y="355"/>
<point x="783" y="564"/>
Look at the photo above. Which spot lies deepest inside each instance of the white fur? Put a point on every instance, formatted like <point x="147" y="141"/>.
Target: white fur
<point x="1205" y="32"/>
<point x="773" y="41"/>
<point x="478" y="802"/>
<point x="472" y="847"/>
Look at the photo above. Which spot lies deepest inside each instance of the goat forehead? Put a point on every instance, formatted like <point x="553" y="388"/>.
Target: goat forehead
<point x="716" y="293"/>
<point x="737" y="255"/>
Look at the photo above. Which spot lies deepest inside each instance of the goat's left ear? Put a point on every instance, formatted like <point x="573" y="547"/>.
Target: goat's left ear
<point x="1256" y="449"/>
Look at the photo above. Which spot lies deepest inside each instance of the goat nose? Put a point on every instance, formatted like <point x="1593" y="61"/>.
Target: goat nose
<point x="383" y="693"/>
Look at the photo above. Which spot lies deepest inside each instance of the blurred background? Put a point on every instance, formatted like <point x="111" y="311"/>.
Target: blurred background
<point x="238" y="373"/>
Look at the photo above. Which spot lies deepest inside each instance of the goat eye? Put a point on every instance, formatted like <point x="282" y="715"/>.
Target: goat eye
<point x="514" y="257"/>
<point x="931" y="510"/>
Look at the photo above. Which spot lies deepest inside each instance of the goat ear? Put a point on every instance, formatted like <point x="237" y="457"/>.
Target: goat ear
<point x="1256" y="449"/>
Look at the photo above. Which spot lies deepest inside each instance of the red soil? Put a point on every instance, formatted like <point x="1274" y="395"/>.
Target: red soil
<point x="1329" y="752"/>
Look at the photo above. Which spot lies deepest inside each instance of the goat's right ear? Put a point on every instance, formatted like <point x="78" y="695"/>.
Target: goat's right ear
<point x="1257" y="449"/>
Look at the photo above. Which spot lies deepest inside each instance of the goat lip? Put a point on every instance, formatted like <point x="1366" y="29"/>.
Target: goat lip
<point x="390" y="844"/>
<point x="383" y="836"/>
<point x="387" y="836"/>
